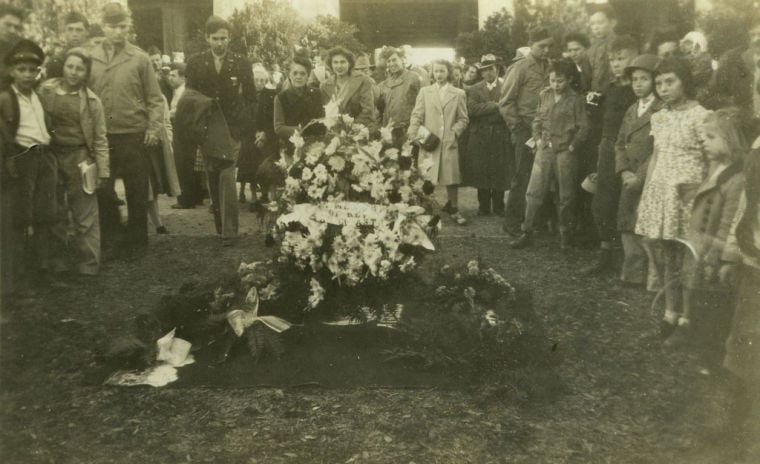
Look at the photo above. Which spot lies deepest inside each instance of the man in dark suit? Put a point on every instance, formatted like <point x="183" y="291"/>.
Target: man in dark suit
<point x="227" y="78"/>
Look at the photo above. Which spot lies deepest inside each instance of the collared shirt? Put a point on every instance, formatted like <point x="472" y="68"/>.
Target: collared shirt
<point x="218" y="61"/>
<point x="492" y="84"/>
<point x="32" y="129"/>
<point x="176" y="95"/>
<point x="644" y="104"/>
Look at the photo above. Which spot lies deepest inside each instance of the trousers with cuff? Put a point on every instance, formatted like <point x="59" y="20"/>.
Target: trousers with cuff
<point x="84" y="241"/>
<point x="223" y="192"/>
<point x="555" y="172"/>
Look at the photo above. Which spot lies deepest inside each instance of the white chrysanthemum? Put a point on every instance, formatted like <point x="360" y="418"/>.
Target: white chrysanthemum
<point x="307" y="174"/>
<point x="316" y="192"/>
<point x="337" y="163"/>
<point x="320" y="173"/>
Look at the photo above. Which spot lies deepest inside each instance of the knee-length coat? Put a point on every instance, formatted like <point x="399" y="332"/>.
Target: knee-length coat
<point x="487" y="158"/>
<point x="446" y="118"/>
<point x="633" y="151"/>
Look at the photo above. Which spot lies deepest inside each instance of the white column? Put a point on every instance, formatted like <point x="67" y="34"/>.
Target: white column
<point x="312" y="8"/>
<point x="225" y="8"/>
<point x="488" y="7"/>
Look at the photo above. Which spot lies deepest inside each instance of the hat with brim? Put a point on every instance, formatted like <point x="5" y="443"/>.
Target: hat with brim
<point x="539" y="34"/>
<point x="646" y="62"/>
<point x="25" y="51"/>
<point x="486" y="61"/>
<point x="362" y="63"/>
<point x="114" y="13"/>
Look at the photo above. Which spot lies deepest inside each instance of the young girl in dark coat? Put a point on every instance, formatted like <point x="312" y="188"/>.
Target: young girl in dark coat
<point x="715" y="203"/>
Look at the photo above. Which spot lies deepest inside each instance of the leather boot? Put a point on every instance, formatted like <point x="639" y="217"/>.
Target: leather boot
<point x="522" y="241"/>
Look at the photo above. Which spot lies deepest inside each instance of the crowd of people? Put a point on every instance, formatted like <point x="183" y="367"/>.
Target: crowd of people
<point x="612" y="143"/>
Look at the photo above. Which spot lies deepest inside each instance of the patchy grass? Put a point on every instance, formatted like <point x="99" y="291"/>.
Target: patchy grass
<point x="622" y="398"/>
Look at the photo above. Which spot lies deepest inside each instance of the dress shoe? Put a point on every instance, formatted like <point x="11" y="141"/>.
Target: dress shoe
<point x="602" y="263"/>
<point x="522" y="241"/>
<point x="162" y="230"/>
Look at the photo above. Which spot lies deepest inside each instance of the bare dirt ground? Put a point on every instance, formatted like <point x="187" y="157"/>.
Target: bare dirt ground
<point x="622" y="399"/>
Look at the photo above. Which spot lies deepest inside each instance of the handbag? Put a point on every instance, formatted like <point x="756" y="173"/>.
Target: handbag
<point x="428" y="141"/>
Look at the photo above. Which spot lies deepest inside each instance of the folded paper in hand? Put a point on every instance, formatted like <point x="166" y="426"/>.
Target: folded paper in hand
<point x="89" y="173"/>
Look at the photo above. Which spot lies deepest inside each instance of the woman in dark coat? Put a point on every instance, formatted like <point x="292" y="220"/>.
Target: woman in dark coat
<point x="294" y="108"/>
<point x="487" y="166"/>
<point x="260" y="142"/>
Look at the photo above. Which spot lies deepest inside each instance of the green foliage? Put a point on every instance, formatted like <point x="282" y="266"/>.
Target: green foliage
<point x="44" y="19"/>
<point x="726" y="27"/>
<point x="329" y="31"/>
<point x="269" y="31"/>
<point x="560" y="16"/>
<point x="494" y="37"/>
<point x="266" y="31"/>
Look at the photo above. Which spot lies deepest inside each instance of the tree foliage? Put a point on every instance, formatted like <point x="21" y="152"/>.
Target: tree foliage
<point x="494" y="37"/>
<point x="266" y="31"/>
<point x="271" y="31"/>
<point x="44" y="19"/>
<point x="329" y="31"/>
<point x="560" y="16"/>
<point x="726" y="27"/>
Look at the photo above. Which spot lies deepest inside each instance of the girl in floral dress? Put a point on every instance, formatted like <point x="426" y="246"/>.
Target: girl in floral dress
<point x="676" y="171"/>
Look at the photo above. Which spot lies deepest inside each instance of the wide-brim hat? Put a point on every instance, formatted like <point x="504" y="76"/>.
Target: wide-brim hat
<point x="362" y="63"/>
<point x="647" y="62"/>
<point x="114" y="13"/>
<point x="25" y="51"/>
<point x="486" y="61"/>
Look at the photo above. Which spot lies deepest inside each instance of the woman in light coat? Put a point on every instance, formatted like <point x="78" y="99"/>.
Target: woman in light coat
<point x="441" y="109"/>
<point x="352" y="90"/>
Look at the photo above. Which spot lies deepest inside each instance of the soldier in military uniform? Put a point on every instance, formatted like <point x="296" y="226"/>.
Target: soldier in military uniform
<point x="227" y="78"/>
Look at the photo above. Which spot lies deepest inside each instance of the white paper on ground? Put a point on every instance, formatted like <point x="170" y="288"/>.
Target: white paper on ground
<point x="172" y="353"/>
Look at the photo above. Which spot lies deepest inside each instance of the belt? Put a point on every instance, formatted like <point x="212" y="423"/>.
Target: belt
<point x="67" y="148"/>
<point x="21" y="150"/>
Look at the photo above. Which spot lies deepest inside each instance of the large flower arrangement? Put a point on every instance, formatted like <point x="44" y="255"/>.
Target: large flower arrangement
<point x="353" y="210"/>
